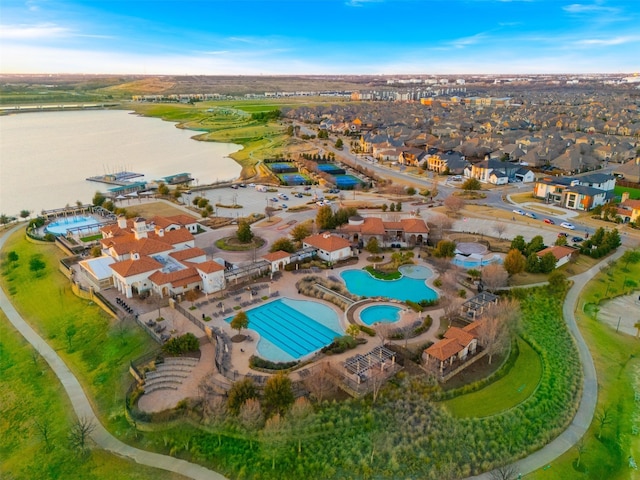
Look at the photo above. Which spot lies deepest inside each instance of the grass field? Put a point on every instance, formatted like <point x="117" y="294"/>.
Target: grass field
<point x="45" y="300"/>
<point x="617" y="360"/>
<point x="634" y="193"/>
<point x="504" y="393"/>
<point x="31" y="395"/>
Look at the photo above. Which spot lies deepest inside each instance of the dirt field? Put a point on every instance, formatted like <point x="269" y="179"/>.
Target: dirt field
<point x="624" y="309"/>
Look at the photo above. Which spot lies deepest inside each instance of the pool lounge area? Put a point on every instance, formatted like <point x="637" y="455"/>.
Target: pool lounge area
<point x="292" y="329"/>
<point x="60" y="226"/>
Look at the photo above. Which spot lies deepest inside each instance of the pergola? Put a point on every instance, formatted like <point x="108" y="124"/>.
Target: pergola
<point x="475" y="306"/>
<point x="377" y="358"/>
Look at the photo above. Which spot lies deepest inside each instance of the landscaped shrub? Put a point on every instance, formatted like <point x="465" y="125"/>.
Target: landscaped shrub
<point x="368" y="330"/>
<point x="341" y="344"/>
<point x="257" y="362"/>
<point x="182" y="344"/>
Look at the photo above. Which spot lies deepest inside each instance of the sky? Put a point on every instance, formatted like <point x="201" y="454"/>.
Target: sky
<point x="320" y="37"/>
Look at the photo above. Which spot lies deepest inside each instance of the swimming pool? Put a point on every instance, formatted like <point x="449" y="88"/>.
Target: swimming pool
<point x="471" y="262"/>
<point x="360" y="282"/>
<point x="292" y="329"/>
<point x="60" y="227"/>
<point x="380" y="313"/>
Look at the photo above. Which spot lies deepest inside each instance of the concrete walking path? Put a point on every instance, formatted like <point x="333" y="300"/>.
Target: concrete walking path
<point x="82" y="406"/>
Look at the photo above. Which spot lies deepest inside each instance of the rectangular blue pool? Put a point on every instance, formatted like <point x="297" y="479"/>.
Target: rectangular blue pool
<point x="292" y="329"/>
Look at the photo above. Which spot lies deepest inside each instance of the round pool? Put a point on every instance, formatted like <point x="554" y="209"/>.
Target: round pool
<point x="380" y="313"/>
<point x="60" y="226"/>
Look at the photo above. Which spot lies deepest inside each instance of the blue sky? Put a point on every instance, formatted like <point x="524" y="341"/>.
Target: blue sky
<point x="249" y="37"/>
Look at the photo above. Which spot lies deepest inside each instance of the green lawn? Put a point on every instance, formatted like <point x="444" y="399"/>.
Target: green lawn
<point x="30" y="395"/>
<point x="504" y="393"/>
<point x="634" y="193"/>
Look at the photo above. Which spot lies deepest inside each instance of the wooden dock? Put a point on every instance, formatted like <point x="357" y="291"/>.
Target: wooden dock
<point x="119" y="178"/>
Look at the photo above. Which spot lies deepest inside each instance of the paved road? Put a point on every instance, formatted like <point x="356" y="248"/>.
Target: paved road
<point x="83" y="408"/>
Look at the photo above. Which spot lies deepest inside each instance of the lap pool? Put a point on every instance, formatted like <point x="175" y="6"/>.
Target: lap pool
<point x="60" y="226"/>
<point x="411" y="286"/>
<point x="292" y="329"/>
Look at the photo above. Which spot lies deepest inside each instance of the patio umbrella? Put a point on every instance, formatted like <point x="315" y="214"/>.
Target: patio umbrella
<point x="132" y="194"/>
<point x="120" y="197"/>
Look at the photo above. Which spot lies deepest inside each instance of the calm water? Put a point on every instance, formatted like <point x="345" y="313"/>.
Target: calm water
<point x="45" y="157"/>
<point x="362" y="283"/>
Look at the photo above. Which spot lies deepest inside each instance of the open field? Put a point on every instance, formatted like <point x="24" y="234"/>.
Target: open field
<point x="634" y="193"/>
<point x="31" y="395"/>
<point x="152" y="209"/>
<point x="504" y="393"/>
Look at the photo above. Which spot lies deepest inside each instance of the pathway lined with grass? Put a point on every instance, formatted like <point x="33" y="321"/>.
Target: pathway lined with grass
<point x="82" y="406"/>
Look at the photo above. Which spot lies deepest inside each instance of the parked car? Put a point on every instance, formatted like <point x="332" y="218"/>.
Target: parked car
<point x="562" y="234"/>
<point x="549" y="221"/>
<point x="568" y="225"/>
<point x="531" y="215"/>
<point x="577" y="239"/>
<point x="242" y="185"/>
<point x="274" y="199"/>
<point x="298" y="195"/>
<point x="519" y="212"/>
<point x="284" y="205"/>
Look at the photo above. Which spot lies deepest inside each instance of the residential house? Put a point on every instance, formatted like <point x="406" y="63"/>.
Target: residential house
<point x="562" y="253"/>
<point x="629" y="210"/>
<point x="576" y="193"/>
<point x="405" y="232"/>
<point x="412" y="156"/>
<point x="497" y="172"/>
<point x="452" y="162"/>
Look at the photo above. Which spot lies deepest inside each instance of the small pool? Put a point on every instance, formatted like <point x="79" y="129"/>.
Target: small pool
<point x="380" y="313"/>
<point x="292" y="329"/>
<point x="469" y="262"/>
<point x="60" y="226"/>
<point x="405" y="288"/>
<point x="418" y="272"/>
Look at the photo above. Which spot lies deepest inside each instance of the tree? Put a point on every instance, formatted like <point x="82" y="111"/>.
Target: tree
<point x="504" y="472"/>
<point x="557" y="281"/>
<point x="43" y="430"/>
<point x="471" y="184"/>
<point x="535" y="245"/>
<point x="353" y="330"/>
<point x="411" y="191"/>
<point x="284" y="244"/>
<point x="269" y="211"/>
<point x="445" y="249"/>
<point x="324" y="218"/>
<point x="69" y="333"/>
<point x="532" y="264"/>
<point x="98" y="199"/>
<point x="494" y="276"/>
<point x="278" y="395"/>
<point x="244" y="233"/>
<point x="603" y="417"/>
<point x="320" y="383"/>
<point x="373" y="246"/>
<point x="498" y="325"/>
<point x="25" y="213"/>
<point x="79" y="435"/>
<point x="384" y="207"/>
<point x="300" y="232"/>
<point x="240" y="321"/>
<point x="580" y="448"/>
<point x="163" y="189"/>
<point x="548" y="262"/>
<point x="392" y="207"/>
<point x="298" y="418"/>
<point x="500" y="228"/>
<point x="12" y="256"/>
<point x="36" y="264"/>
<point x="519" y="244"/>
<point x="273" y="435"/>
<point x="561" y="241"/>
<point x="339" y="144"/>
<point x="398" y="206"/>
<point x="453" y="204"/>
<point x="4" y="219"/>
<point x="514" y="262"/>
<point x="438" y="224"/>
<point x="240" y="392"/>
<point x="251" y="418"/>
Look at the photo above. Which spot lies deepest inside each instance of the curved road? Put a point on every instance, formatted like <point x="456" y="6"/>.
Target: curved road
<point x="104" y="439"/>
<point x="82" y="406"/>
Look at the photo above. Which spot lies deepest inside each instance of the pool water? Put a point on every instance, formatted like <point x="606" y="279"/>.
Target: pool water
<point x="60" y="227"/>
<point x="292" y="329"/>
<point x="467" y="263"/>
<point x="360" y="282"/>
<point x="380" y="313"/>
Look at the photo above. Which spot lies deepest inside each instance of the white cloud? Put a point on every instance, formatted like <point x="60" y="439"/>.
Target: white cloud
<point x="30" y="32"/>
<point x="360" y="3"/>
<point x="607" y="42"/>
<point x="578" y="8"/>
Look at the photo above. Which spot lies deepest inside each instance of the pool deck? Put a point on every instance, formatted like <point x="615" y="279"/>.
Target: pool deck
<point x="241" y="352"/>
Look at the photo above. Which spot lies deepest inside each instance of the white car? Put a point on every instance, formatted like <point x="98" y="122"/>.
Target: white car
<point x="519" y="212"/>
<point x="568" y="225"/>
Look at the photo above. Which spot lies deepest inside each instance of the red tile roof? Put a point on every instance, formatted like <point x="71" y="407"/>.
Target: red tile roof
<point x="463" y="337"/>
<point x="444" y="349"/>
<point x="559" y="251"/>
<point x="328" y="243"/>
<point x="275" y="256"/>
<point x="129" y="268"/>
<point x="208" y="267"/>
<point x="179" y="278"/>
<point x="187" y="253"/>
<point x="414" y="225"/>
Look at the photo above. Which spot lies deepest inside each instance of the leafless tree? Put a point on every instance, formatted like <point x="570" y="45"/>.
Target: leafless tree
<point x="320" y="382"/>
<point x="79" y="435"/>
<point x="504" y="472"/>
<point x="269" y="211"/>
<point x="437" y="225"/>
<point x="440" y="265"/>
<point x="494" y="276"/>
<point x="500" y="228"/>
<point x="383" y="330"/>
<point x="251" y="417"/>
<point x="499" y="323"/>
<point x="454" y="204"/>
<point x="603" y="418"/>
<point x="43" y="430"/>
<point x="580" y="448"/>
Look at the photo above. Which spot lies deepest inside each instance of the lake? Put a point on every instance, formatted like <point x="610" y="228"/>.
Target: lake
<point x="46" y="157"/>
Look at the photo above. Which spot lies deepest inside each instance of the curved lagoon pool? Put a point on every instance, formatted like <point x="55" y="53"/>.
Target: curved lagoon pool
<point x="360" y="282"/>
<point x="380" y="313"/>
